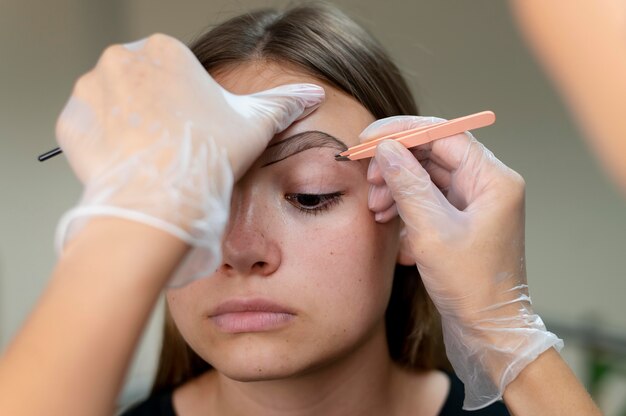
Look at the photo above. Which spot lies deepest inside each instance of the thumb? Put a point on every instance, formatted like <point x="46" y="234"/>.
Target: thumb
<point x="283" y="105"/>
<point x="420" y="203"/>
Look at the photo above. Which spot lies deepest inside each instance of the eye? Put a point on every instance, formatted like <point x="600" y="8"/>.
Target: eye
<point x="314" y="203"/>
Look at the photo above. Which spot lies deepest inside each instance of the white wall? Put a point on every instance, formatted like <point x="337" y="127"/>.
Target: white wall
<point x="461" y="57"/>
<point x="44" y="46"/>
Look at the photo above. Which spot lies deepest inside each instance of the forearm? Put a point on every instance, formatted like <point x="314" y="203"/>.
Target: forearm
<point x="72" y="353"/>
<point x="580" y="44"/>
<point x="547" y="386"/>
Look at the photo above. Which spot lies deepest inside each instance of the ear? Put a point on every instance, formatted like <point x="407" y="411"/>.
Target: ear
<point x="405" y="256"/>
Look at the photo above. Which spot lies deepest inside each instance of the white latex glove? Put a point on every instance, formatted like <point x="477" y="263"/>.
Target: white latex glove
<point x="153" y="138"/>
<point x="464" y="216"/>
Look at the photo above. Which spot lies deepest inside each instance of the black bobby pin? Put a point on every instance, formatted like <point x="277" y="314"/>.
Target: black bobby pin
<point x="49" y="154"/>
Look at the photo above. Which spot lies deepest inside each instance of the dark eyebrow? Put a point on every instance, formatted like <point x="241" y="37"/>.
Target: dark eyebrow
<point x="299" y="143"/>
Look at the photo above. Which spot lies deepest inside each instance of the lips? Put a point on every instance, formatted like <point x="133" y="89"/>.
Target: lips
<point x="250" y="315"/>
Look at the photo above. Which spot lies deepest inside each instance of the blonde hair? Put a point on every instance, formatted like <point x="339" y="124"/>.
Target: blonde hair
<point x="326" y="44"/>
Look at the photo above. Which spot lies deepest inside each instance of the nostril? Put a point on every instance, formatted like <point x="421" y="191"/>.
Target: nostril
<point x="226" y="267"/>
<point x="259" y="265"/>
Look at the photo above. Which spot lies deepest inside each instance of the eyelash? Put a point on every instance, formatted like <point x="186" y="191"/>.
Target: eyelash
<point x="326" y="201"/>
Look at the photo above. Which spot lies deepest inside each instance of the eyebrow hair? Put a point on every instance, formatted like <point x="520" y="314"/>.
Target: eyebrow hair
<point x="299" y="143"/>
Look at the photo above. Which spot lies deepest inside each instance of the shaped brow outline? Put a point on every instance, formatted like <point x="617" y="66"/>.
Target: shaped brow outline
<point x="301" y="142"/>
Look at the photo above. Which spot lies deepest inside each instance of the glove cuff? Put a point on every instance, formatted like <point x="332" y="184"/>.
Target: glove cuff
<point x="486" y="368"/>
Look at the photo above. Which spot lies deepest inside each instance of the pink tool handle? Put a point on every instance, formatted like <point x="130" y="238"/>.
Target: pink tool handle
<point x="422" y="135"/>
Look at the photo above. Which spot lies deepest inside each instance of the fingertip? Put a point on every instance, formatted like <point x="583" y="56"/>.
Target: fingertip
<point x="136" y="45"/>
<point x="309" y="92"/>
<point x="311" y="96"/>
<point x="379" y="198"/>
<point x="373" y="171"/>
<point x="308" y="89"/>
<point x="387" y="215"/>
<point x="287" y="103"/>
<point x="308" y="109"/>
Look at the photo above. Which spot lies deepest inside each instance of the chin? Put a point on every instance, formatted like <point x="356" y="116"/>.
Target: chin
<point x="258" y="360"/>
<point x="252" y="368"/>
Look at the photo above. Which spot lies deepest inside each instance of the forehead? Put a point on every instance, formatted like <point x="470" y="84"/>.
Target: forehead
<point x="340" y="115"/>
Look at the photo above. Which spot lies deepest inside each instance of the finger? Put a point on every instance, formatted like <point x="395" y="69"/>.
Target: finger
<point x="164" y="50"/>
<point x="77" y="120"/>
<point x="456" y="186"/>
<point x="418" y="200"/>
<point x="447" y="152"/>
<point x="285" y="104"/>
<point x="461" y="166"/>
<point x="374" y="175"/>
<point x="387" y="215"/>
<point x="379" y="198"/>
<point x="115" y="57"/>
<point x="78" y="131"/>
<point x="390" y="125"/>
<point x="136" y="45"/>
<point x="441" y="176"/>
<point x="80" y="118"/>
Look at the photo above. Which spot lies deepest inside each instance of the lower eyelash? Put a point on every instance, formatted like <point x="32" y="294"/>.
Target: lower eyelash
<point x="327" y="201"/>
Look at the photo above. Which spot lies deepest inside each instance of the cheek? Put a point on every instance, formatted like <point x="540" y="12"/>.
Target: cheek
<point x="347" y="262"/>
<point x="184" y="307"/>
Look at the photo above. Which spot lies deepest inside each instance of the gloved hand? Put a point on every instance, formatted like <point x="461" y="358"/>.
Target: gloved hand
<point x="464" y="215"/>
<point x="153" y="138"/>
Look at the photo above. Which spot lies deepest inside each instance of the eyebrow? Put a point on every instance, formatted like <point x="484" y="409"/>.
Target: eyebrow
<point x="300" y="142"/>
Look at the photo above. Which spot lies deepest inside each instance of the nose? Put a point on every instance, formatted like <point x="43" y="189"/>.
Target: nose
<point x="249" y="246"/>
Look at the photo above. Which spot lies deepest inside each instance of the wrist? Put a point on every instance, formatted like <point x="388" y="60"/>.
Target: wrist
<point x="122" y="250"/>
<point x="547" y="386"/>
<point x="488" y="354"/>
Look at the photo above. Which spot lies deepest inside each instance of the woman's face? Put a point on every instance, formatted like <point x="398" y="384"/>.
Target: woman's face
<point x="306" y="271"/>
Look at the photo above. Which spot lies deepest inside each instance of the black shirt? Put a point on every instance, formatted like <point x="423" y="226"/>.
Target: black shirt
<point x="161" y="404"/>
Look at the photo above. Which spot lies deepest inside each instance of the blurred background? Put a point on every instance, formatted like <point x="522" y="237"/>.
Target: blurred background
<point x="459" y="58"/>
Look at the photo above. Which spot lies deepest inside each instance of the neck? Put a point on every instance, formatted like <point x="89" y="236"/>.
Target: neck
<point x="358" y="383"/>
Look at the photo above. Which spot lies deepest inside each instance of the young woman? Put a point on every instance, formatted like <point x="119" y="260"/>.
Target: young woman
<point x="294" y="289"/>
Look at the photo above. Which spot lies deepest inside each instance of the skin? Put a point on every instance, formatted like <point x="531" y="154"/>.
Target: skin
<point x="587" y="67"/>
<point x="333" y="270"/>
